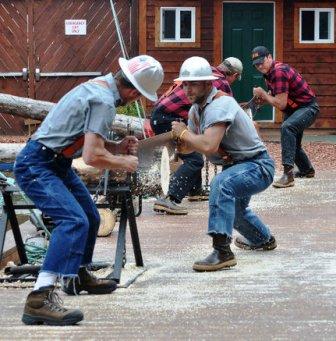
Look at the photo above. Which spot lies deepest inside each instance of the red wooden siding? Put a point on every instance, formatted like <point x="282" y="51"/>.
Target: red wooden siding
<point x="317" y="65"/>
<point x="172" y="57"/>
<point x="50" y="50"/>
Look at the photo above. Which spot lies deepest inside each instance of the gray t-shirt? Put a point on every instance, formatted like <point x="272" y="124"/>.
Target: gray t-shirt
<point x="240" y="140"/>
<point x="89" y="107"/>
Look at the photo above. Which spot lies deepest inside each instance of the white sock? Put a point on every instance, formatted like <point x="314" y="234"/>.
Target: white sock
<point x="45" y="279"/>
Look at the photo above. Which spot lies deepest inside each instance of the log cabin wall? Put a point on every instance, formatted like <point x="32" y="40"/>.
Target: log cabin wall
<point x="316" y="62"/>
<point x="170" y="56"/>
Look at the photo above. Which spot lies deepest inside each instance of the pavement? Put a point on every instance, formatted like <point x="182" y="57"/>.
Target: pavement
<point x="285" y="294"/>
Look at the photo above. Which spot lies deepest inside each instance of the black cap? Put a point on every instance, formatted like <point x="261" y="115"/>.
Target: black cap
<point x="258" y="54"/>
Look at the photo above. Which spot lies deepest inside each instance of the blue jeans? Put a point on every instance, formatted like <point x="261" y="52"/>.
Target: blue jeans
<point x="291" y="136"/>
<point x="188" y="177"/>
<point x="53" y="186"/>
<point x="230" y="195"/>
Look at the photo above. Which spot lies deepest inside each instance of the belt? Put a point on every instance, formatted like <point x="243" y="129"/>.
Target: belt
<point x="70" y="151"/>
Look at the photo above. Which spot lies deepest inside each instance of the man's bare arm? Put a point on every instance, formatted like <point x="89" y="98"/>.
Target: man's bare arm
<point x="96" y="155"/>
<point x="128" y="145"/>
<point x="279" y="101"/>
<point x="207" y="143"/>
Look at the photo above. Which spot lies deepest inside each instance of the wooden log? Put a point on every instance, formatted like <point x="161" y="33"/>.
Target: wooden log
<point x="38" y="110"/>
<point x="8" y="151"/>
<point x="153" y="173"/>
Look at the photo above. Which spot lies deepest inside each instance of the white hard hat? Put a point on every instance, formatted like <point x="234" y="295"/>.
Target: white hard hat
<point x="145" y="73"/>
<point x="234" y="65"/>
<point x="195" y="69"/>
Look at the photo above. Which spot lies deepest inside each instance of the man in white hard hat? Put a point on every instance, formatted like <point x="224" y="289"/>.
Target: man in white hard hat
<point x="220" y="129"/>
<point x="78" y="124"/>
<point x="175" y="105"/>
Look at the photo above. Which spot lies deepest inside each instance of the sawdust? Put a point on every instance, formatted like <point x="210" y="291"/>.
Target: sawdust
<point x="322" y="155"/>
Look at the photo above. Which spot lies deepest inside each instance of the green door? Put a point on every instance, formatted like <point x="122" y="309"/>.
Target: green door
<point x="246" y="25"/>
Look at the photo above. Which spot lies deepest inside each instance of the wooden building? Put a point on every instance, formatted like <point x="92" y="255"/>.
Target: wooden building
<point x="300" y="33"/>
<point x="49" y="46"/>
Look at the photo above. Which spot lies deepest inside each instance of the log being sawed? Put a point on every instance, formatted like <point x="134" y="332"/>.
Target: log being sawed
<point x="9" y="151"/>
<point x="154" y="164"/>
<point x="153" y="160"/>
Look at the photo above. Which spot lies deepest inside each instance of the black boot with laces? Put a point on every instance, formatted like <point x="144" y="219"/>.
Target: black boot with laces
<point x="44" y="306"/>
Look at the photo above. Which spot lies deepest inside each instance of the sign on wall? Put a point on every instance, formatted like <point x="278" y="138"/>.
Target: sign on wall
<point x="75" y="27"/>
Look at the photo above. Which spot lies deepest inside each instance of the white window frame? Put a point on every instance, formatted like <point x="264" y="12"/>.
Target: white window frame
<point x="317" y="12"/>
<point x="178" y="39"/>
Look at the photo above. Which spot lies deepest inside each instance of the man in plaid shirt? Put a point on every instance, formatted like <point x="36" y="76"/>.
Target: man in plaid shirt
<point x="174" y="106"/>
<point x="290" y="93"/>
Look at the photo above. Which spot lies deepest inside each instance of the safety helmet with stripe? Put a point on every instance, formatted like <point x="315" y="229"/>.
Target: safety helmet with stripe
<point x="145" y="73"/>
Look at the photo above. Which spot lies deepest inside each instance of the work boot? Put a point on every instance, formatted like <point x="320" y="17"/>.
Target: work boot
<point x="221" y="257"/>
<point x="267" y="246"/>
<point x="310" y="173"/>
<point x="86" y="281"/>
<point x="287" y="179"/>
<point x="169" y="206"/>
<point x="200" y="195"/>
<point x="44" y="306"/>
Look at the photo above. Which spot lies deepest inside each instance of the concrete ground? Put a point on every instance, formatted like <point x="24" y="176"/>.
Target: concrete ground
<point x="285" y="294"/>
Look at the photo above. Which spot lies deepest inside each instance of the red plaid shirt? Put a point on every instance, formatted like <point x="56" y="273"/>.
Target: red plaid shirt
<point x="282" y="78"/>
<point x="176" y="101"/>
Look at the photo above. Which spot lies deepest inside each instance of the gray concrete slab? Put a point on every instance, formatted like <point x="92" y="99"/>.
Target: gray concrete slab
<point x="285" y="294"/>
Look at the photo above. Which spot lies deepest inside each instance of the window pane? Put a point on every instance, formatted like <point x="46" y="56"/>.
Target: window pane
<point x="324" y="25"/>
<point x="185" y="29"/>
<point x="169" y="19"/>
<point x="307" y="28"/>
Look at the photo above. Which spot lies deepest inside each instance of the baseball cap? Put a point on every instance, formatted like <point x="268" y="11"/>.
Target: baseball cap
<point x="258" y="54"/>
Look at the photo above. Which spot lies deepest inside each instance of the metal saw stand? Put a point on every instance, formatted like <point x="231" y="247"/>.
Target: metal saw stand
<point x="119" y="194"/>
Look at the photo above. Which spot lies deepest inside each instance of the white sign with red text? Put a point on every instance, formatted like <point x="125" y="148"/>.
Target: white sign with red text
<point x="75" y="27"/>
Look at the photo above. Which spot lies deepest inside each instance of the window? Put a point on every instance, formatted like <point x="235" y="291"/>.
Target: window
<point x="317" y="25"/>
<point x="177" y="26"/>
<point x="314" y="25"/>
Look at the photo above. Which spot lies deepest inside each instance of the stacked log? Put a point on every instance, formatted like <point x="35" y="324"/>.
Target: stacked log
<point x="38" y="110"/>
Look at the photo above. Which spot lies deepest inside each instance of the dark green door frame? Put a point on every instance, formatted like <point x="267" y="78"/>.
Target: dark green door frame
<point x="246" y="25"/>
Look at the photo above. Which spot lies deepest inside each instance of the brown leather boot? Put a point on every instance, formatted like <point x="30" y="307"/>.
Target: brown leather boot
<point x="287" y="179"/>
<point x="90" y="283"/>
<point x="221" y="257"/>
<point x="44" y="306"/>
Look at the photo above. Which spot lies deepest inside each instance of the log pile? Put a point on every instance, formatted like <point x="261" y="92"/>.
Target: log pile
<point x="38" y="110"/>
<point x="153" y="172"/>
<point x="8" y="151"/>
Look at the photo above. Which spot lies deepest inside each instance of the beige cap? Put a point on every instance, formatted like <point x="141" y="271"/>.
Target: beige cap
<point x="233" y="64"/>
